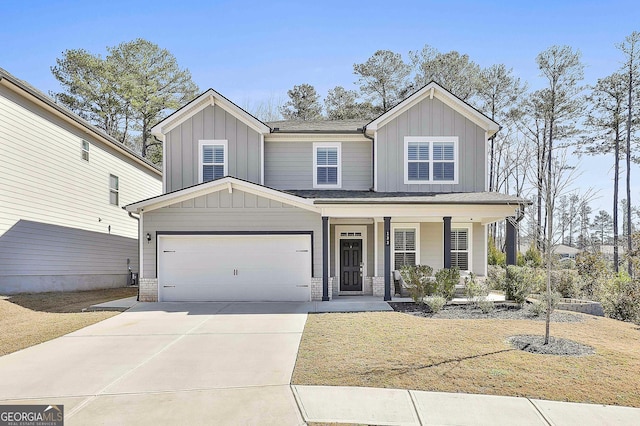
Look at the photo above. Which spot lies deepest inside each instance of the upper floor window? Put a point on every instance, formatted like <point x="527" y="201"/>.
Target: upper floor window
<point x="114" y="190"/>
<point x="430" y="159"/>
<point x="213" y="159"/>
<point x="460" y="248"/>
<point x="85" y="150"/>
<point x="327" y="167"/>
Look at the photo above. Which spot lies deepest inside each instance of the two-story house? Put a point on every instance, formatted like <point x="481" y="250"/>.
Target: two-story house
<point x="312" y="210"/>
<point x="63" y="183"/>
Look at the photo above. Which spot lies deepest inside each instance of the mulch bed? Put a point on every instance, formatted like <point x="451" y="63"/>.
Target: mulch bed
<point x="500" y="311"/>
<point x="556" y="346"/>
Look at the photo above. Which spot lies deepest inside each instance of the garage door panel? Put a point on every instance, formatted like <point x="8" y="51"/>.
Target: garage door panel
<point x="235" y="268"/>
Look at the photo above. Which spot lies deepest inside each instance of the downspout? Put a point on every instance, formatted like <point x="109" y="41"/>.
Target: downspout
<point x="139" y="260"/>
<point x="373" y="157"/>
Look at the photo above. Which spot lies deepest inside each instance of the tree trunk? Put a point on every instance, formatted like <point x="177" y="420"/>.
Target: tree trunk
<point x="629" y="120"/>
<point x="616" y="178"/>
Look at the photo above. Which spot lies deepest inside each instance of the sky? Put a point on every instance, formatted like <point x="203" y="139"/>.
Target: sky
<point x="254" y="51"/>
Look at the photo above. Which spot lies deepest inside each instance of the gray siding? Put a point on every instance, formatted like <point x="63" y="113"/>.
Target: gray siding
<point x="289" y="165"/>
<point x="432" y="248"/>
<point x="182" y="160"/>
<point x="42" y="257"/>
<point x="221" y="211"/>
<point x="431" y="117"/>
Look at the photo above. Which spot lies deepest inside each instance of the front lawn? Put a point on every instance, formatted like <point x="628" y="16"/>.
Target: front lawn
<point x="31" y="318"/>
<point x="397" y="350"/>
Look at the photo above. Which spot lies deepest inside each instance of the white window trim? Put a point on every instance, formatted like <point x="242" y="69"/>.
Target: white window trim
<point x="469" y="228"/>
<point x="339" y="229"/>
<point x="204" y="142"/>
<point x="317" y="145"/>
<point x="114" y="190"/>
<point x="430" y="139"/>
<point x="82" y="145"/>
<point x="394" y="226"/>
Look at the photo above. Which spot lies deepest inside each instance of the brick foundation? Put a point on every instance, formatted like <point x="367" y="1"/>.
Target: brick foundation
<point x="378" y="286"/>
<point x="316" y="288"/>
<point x="148" y="289"/>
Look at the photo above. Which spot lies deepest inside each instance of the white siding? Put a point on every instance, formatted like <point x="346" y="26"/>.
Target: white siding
<point x="44" y="180"/>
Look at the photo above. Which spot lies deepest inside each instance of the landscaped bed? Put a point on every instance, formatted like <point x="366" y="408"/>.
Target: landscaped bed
<point x="400" y="350"/>
<point x="31" y="318"/>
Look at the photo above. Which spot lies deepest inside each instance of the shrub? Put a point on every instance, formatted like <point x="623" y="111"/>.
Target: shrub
<point x="520" y="259"/>
<point x="446" y="280"/>
<point x="474" y="289"/>
<point x="418" y="281"/>
<point x="518" y="283"/>
<point x="435" y="303"/>
<point x="495" y="256"/>
<point x="591" y="265"/>
<point x="565" y="281"/>
<point x="621" y="298"/>
<point x="533" y="257"/>
<point x="486" y="306"/>
<point x="539" y="306"/>
<point x="496" y="278"/>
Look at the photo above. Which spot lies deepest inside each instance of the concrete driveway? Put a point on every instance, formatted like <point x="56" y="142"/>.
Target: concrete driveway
<point x="167" y="363"/>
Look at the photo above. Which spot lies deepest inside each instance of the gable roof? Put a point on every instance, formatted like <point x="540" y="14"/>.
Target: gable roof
<point x="432" y="90"/>
<point x="209" y="98"/>
<point x="23" y="88"/>
<point x="225" y="183"/>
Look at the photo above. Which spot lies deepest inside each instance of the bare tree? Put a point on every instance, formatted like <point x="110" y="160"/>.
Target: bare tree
<point x="562" y="68"/>
<point x="265" y="110"/>
<point x="342" y="104"/>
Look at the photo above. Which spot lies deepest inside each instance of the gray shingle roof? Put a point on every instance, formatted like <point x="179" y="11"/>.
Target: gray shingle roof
<point x="371" y="197"/>
<point x="319" y="126"/>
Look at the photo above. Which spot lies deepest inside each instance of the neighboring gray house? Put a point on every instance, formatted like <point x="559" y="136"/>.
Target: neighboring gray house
<point x="62" y="187"/>
<point x="314" y="210"/>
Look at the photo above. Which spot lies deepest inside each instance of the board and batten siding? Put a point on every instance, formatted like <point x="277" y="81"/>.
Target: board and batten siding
<point x="212" y="123"/>
<point x="432" y="246"/>
<point x="55" y="202"/>
<point x="431" y="117"/>
<point x="222" y="211"/>
<point x="289" y="165"/>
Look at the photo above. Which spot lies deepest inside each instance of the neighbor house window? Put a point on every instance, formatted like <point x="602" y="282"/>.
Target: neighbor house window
<point x="85" y="150"/>
<point x="213" y="160"/>
<point x="327" y="171"/>
<point x="430" y="159"/>
<point x="460" y="248"/>
<point x="405" y="247"/>
<point x="114" y="190"/>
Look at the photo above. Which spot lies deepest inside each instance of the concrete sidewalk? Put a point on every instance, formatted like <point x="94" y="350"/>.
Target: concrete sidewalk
<point x="374" y="406"/>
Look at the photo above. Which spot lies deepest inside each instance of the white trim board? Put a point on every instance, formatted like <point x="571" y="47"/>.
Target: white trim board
<point x="338" y="229"/>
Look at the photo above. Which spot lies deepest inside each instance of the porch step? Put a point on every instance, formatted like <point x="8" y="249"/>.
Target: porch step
<point x="459" y="291"/>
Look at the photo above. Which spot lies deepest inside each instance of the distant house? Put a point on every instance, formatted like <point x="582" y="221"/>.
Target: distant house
<point x="566" y="252"/>
<point x="63" y="183"/>
<point x="283" y="211"/>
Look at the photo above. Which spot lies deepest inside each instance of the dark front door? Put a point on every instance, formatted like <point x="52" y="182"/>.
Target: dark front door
<point x="350" y="260"/>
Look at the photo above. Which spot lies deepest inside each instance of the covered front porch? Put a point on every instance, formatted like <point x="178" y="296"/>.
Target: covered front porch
<point x="363" y="244"/>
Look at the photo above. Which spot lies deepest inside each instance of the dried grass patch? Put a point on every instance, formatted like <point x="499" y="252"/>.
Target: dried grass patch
<point x="29" y="319"/>
<point x="395" y="350"/>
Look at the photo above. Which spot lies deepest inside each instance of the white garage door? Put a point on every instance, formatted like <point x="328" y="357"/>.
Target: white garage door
<point x="234" y="267"/>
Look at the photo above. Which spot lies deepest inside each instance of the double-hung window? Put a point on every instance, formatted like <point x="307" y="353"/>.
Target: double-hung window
<point x="213" y="159"/>
<point x="431" y="159"/>
<point x="114" y="190"/>
<point x="460" y="248"/>
<point x="327" y="168"/>
<point x="85" y="150"/>
<point x="405" y="247"/>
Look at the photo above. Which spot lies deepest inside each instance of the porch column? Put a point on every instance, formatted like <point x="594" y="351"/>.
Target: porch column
<point x="447" y="241"/>
<point x="387" y="258"/>
<point x="325" y="258"/>
<point x="510" y="246"/>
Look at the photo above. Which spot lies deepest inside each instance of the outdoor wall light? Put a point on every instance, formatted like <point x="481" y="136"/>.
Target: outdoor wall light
<point x="148" y="238"/>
